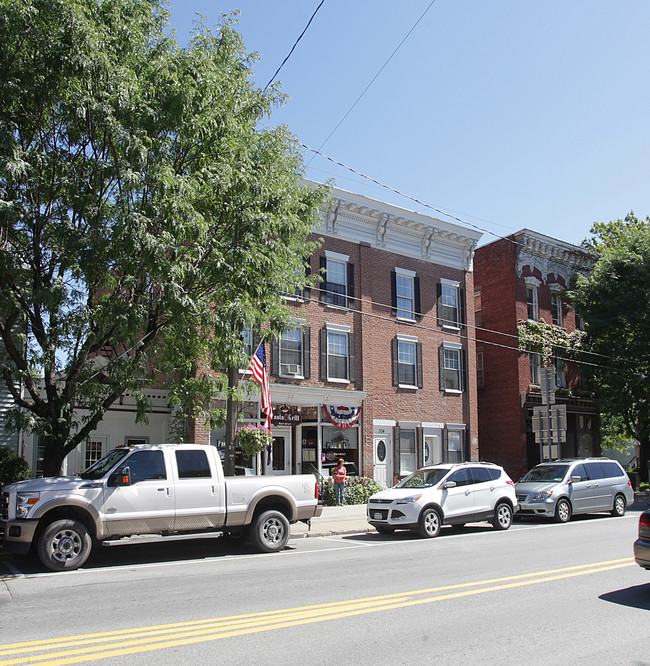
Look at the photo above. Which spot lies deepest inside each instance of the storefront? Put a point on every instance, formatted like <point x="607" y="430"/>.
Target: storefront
<point x="311" y="429"/>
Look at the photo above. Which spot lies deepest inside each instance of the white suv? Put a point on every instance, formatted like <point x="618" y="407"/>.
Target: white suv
<point x="451" y="493"/>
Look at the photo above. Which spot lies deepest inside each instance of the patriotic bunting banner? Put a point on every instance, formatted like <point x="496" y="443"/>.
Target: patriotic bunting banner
<point x="341" y="416"/>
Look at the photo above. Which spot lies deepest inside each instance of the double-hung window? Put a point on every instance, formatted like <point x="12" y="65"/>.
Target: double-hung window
<point x="407" y="442"/>
<point x="451" y="367"/>
<point x="405" y="294"/>
<point x="532" y="305"/>
<point x="450" y="304"/>
<point x="291" y="352"/>
<point x="556" y="308"/>
<point x="535" y="365"/>
<point x="337" y="349"/>
<point x="407" y="362"/>
<point x="338" y="279"/>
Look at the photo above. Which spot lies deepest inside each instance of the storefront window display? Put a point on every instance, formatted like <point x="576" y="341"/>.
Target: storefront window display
<point x="339" y="443"/>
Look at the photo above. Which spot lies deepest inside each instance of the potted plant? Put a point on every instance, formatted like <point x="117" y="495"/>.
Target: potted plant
<point x="252" y="439"/>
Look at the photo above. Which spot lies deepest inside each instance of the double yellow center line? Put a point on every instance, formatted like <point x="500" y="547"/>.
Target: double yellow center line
<point x="103" y="645"/>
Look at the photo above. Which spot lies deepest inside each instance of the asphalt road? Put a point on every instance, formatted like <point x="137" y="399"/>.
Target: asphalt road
<point x="536" y="594"/>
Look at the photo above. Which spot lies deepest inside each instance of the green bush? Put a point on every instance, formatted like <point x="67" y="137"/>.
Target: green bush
<point x="12" y="467"/>
<point x="357" y="490"/>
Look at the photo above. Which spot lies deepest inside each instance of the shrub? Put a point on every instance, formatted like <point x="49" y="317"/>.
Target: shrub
<point x="357" y="490"/>
<point x="12" y="467"/>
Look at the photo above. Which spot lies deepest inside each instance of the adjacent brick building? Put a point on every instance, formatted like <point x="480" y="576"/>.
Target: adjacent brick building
<point x="517" y="278"/>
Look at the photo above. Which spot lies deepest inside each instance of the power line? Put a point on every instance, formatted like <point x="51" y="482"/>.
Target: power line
<point x="277" y="71"/>
<point x="381" y="69"/>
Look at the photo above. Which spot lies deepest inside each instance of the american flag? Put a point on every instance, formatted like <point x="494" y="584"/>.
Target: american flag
<point x="257" y="367"/>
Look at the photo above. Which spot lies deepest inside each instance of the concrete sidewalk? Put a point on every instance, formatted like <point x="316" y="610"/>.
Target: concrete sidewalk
<point x="352" y="519"/>
<point x="335" y="520"/>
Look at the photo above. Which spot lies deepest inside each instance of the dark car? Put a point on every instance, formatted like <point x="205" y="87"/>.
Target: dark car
<point x="642" y="544"/>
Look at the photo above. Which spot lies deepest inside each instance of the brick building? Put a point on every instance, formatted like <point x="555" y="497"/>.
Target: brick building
<point x="519" y="278"/>
<point x="376" y="370"/>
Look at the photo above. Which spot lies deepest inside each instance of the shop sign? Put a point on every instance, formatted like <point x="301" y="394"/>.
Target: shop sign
<point x="286" y="415"/>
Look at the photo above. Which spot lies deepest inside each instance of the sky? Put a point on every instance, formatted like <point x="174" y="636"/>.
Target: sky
<point x="503" y="114"/>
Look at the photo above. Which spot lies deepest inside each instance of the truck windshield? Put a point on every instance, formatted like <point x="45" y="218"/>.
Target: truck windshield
<point x="104" y="465"/>
<point x="545" y="473"/>
<point x="423" y="478"/>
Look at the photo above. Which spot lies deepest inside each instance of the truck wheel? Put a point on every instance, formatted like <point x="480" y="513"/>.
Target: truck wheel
<point x="64" y="545"/>
<point x="270" y="531"/>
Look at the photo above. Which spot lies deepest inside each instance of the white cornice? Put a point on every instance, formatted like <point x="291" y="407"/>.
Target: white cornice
<point x="359" y="219"/>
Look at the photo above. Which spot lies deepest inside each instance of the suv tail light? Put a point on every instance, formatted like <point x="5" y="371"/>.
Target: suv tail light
<point x="644" y="521"/>
<point x="510" y="482"/>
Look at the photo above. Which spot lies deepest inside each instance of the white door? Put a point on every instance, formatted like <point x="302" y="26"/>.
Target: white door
<point x="432" y="454"/>
<point x="383" y="460"/>
<point x="280" y="458"/>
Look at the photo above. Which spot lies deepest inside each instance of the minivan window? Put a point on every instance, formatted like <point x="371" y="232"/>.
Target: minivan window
<point x="594" y="470"/>
<point x="579" y="470"/>
<point x="545" y="473"/>
<point x="611" y="469"/>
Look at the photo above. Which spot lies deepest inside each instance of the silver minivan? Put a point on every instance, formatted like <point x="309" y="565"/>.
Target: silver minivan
<point x="570" y="486"/>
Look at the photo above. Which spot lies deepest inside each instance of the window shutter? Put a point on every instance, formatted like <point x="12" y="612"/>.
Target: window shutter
<point x="306" y="292"/>
<point x="393" y="344"/>
<point x="275" y="357"/>
<point x="323" y="284"/>
<point x="418" y="359"/>
<point x="352" y="360"/>
<point x="441" y="367"/>
<point x="393" y="292"/>
<point x="461" y="308"/>
<point x="396" y="449"/>
<point x="306" y="349"/>
<point x="350" y="303"/>
<point x="445" y="445"/>
<point x="439" y="303"/>
<point x="323" y="354"/>
<point x="418" y="306"/>
<point x="463" y="370"/>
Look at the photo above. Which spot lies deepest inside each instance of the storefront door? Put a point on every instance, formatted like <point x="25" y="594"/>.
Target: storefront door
<point x="280" y="462"/>
<point x="383" y="460"/>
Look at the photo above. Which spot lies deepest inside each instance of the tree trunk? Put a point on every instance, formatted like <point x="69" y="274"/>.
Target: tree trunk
<point x="232" y="409"/>
<point x="53" y="455"/>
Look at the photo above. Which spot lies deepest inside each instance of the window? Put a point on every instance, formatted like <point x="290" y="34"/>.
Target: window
<point x="461" y="477"/>
<point x="556" y="309"/>
<point x="135" y="441"/>
<point x="480" y="372"/>
<point x="407" y="462"/>
<point x="407" y="362"/>
<point x="192" y="465"/>
<point x="405" y="294"/>
<point x="450" y="304"/>
<point x="146" y="466"/>
<point x="560" y="373"/>
<point x="93" y="453"/>
<point x="290" y="354"/>
<point x="451" y="367"/>
<point x="247" y="337"/>
<point x="535" y="364"/>
<point x="531" y="302"/>
<point x="337" y="361"/>
<point x="338" y="283"/>
<point x="455" y="444"/>
<point x="580" y="322"/>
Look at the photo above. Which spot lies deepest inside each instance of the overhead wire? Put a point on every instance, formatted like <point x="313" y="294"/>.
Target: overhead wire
<point x="293" y="48"/>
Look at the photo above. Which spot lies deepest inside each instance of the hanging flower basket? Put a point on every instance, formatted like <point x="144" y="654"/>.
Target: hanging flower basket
<point x="252" y="439"/>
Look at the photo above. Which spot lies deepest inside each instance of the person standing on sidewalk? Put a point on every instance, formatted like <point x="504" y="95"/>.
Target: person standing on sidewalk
<point x="340" y="473"/>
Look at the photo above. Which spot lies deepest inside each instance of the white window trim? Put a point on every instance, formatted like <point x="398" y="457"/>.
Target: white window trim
<point x="337" y="328"/>
<point x="535" y="284"/>
<point x="298" y="323"/>
<point x="337" y="256"/>
<point x="412" y="339"/>
<point x="454" y="284"/>
<point x="409" y="274"/>
<point x="457" y="347"/>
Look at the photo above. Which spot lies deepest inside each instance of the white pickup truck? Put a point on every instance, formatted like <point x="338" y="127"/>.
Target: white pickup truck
<point x="145" y="493"/>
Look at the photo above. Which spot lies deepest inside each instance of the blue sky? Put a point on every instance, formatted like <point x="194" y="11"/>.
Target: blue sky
<point x="507" y="114"/>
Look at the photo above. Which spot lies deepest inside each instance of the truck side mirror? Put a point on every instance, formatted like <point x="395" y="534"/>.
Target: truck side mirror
<point x="122" y="477"/>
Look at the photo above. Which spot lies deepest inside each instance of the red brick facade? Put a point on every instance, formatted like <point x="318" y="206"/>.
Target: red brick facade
<point x="502" y="272"/>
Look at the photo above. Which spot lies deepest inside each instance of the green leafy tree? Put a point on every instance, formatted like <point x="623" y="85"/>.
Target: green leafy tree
<point x="615" y="303"/>
<point x="146" y="218"/>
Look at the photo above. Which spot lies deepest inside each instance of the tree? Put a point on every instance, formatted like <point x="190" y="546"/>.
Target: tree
<point x="145" y="217"/>
<point x="614" y="300"/>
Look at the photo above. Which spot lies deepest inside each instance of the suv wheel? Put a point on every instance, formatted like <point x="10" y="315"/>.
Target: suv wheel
<point x="502" y="516"/>
<point x="429" y="524"/>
